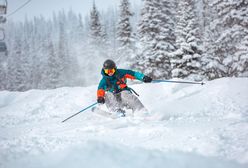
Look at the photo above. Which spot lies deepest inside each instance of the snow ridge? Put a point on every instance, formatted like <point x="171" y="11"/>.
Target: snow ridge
<point x="188" y="126"/>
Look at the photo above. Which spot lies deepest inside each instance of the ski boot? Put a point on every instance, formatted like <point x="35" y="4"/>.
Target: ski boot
<point x="120" y="112"/>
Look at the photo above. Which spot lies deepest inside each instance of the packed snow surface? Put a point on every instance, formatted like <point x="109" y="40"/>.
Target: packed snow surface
<point x="187" y="126"/>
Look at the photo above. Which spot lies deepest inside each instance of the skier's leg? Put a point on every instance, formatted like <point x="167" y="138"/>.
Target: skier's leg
<point x="113" y="101"/>
<point x="132" y="101"/>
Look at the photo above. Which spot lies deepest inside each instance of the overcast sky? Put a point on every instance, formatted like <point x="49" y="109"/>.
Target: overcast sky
<point x="46" y="7"/>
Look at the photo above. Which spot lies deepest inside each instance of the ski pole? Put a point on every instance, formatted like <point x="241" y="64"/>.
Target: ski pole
<point x="158" y="81"/>
<point x="80" y="111"/>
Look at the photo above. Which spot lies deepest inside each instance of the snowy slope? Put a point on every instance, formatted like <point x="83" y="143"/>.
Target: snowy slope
<point x="188" y="126"/>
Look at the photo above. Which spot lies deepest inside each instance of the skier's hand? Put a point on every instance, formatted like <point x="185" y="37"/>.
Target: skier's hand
<point x="147" y="79"/>
<point x="101" y="100"/>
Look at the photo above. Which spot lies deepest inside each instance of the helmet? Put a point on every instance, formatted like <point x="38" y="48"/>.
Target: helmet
<point x="109" y="64"/>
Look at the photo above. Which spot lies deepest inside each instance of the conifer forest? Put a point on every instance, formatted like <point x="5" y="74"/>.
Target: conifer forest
<point x="187" y="39"/>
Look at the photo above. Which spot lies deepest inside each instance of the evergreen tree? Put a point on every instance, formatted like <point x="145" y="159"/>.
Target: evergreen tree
<point x="165" y="39"/>
<point x="52" y="72"/>
<point x="64" y="57"/>
<point x="3" y="70"/>
<point x="124" y="35"/>
<point x="156" y="37"/>
<point x="97" y="49"/>
<point x="110" y="22"/>
<point x="186" y="61"/>
<point x="18" y="67"/>
<point x="96" y="30"/>
<point x="167" y="25"/>
<point x="212" y="65"/>
<point x="80" y="34"/>
<point x="231" y="45"/>
<point x="38" y="55"/>
<point x="147" y="29"/>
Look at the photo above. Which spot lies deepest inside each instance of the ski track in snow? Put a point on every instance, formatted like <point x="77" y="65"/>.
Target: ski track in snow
<point x="188" y="126"/>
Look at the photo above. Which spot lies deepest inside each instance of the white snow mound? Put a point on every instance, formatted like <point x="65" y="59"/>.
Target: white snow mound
<point x="187" y="126"/>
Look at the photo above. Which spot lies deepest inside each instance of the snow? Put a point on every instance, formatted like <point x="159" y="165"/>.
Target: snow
<point x="188" y="126"/>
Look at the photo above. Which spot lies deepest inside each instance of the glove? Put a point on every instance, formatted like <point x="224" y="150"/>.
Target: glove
<point x="101" y="100"/>
<point x="147" y="79"/>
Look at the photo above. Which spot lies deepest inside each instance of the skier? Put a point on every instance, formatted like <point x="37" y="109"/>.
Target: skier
<point x="113" y="89"/>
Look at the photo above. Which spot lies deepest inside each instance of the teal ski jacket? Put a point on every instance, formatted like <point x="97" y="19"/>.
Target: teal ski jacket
<point x="117" y="82"/>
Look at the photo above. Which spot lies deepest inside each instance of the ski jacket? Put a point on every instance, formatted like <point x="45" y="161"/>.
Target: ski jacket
<point x="117" y="82"/>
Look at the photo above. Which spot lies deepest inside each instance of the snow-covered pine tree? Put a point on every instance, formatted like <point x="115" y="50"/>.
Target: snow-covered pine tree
<point x="231" y="26"/>
<point x="18" y="66"/>
<point x="52" y="72"/>
<point x="105" y="46"/>
<point x="96" y="30"/>
<point x="3" y="70"/>
<point x="4" y="59"/>
<point x="211" y="64"/>
<point x="146" y="30"/>
<point x="125" y="54"/>
<point x="73" y="37"/>
<point x="186" y="61"/>
<point x="77" y="46"/>
<point x="41" y="55"/>
<point x="110" y="22"/>
<point x="26" y="60"/>
<point x="96" y="50"/>
<point x="168" y="25"/>
<point x="165" y="38"/>
<point x="37" y="42"/>
<point x="64" y="57"/>
<point x="72" y="24"/>
<point x="154" y="29"/>
<point x="3" y="65"/>
<point x="80" y="32"/>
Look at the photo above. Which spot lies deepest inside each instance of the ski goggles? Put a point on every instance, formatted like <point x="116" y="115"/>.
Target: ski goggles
<point x="109" y="71"/>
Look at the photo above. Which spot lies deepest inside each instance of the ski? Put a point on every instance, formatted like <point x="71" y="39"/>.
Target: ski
<point x="101" y="112"/>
